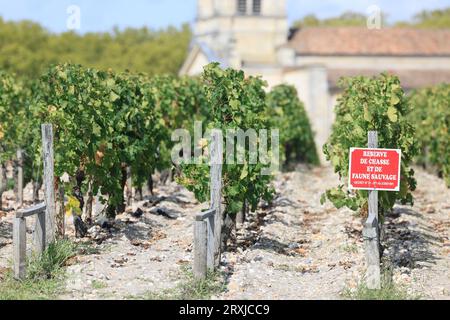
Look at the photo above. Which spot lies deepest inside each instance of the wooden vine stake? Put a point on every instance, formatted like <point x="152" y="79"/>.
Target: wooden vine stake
<point x="129" y="184"/>
<point x="208" y="225"/>
<point x="61" y="216"/>
<point x="204" y="244"/>
<point x="2" y="183"/>
<point x="371" y="232"/>
<point x="374" y="169"/>
<point x="20" y="238"/>
<point x="19" y="198"/>
<point x="49" y="180"/>
<point x="216" y="151"/>
<point x="19" y="247"/>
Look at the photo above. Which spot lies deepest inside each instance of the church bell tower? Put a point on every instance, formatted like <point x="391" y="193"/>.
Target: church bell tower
<point x="242" y="32"/>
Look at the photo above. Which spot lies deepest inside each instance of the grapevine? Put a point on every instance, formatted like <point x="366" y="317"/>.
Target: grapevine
<point x="371" y="104"/>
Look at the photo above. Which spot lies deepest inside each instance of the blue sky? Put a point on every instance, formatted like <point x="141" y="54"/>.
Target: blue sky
<point x="103" y="15"/>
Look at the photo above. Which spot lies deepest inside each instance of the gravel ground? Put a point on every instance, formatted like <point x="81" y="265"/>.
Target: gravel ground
<point x="298" y="249"/>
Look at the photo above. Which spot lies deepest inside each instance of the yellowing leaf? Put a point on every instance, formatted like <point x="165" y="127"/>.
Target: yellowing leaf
<point x="113" y="96"/>
<point x="392" y="114"/>
<point x="396" y="89"/>
<point x="395" y="100"/>
<point x="99" y="157"/>
<point x="110" y="83"/>
<point x="51" y="109"/>
<point x="203" y="143"/>
<point x="244" y="173"/>
<point x="73" y="206"/>
<point x="234" y="104"/>
<point x="62" y="75"/>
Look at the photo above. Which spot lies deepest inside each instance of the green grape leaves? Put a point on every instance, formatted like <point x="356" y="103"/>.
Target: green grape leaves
<point x="371" y="104"/>
<point x="431" y="117"/>
<point x="287" y="113"/>
<point x="232" y="101"/>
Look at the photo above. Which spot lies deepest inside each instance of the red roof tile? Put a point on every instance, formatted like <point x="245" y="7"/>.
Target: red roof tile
<point x="362" y="41"/>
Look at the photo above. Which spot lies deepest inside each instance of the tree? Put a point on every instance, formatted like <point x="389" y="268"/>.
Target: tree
<point x="424" y="19"/>
<point x="429" y="19"/>
<point x="346" y="19"/>
<point x="27" y="49"/>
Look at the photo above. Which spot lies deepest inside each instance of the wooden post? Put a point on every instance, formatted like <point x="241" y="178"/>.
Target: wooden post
<point x="373" y="195"/>
<point x="98" y="206"/>
<point x="216" y="152"/>
<point x="89" y="203"/>
<point x="2" y="183"/>
<point x="39" y="233"/>
<point x="210" y="244"/>
<point x="200" y="249"/>
<point x="204" y="243"/>
<point x="371" y="232"/>
<point x="61" y="216"/>
<point x="19" y="247"/>
<point x="19" y="198"/>
<point x="129" y="188"/>
<point x="49" y="188"/>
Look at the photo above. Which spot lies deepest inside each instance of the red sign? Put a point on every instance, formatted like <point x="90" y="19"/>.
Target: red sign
<point x="375" y="169"/>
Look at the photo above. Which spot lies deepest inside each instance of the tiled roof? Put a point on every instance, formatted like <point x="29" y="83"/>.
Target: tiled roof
<point x="362" y="41"/>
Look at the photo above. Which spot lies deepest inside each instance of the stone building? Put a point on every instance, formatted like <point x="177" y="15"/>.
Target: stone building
<point x="254" y="35"/>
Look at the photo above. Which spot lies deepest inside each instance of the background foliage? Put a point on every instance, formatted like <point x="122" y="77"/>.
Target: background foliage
<point x="431" y="115"/>
<point x="424" y="19"/>
<point x="103" y="123"/>
<point x="27" y="49"/>
<point x="12" y="114"/>
<point x="287" y="113"/>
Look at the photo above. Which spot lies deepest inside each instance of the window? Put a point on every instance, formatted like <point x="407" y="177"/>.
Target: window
<point x="257" y="7"/>
<point x="242" y="7"/>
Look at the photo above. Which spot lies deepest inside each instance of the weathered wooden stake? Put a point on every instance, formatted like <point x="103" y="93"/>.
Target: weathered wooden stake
<point x="89" y="203"/>
<point x="20" y="237"/>
<point x="61" y="216"/>
<point x="204" y="244"/>
<point x="200" y="249"/>
<point x="129" y="188"/>
<point x="2" y="183"/>
<point x="371" y="232"/>
<point x="19" y="199"/>
<point x="36" y="188"/>
<point x="39" y="233"/>
<point x="49" y="188"/>
<point x="210" y="244"/>
<point x="98" y="206"/>
<point x="19" y="247"/>
<point x="216" y="152"/>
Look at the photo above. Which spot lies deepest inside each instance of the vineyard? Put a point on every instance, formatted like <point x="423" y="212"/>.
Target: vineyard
<point x="94" y="149"/>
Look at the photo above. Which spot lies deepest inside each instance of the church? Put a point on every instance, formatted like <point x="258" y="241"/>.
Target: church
<point x="254" y="35"/>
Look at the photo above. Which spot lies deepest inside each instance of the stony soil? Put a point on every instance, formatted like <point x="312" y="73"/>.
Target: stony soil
<point x="298" y="249"/>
